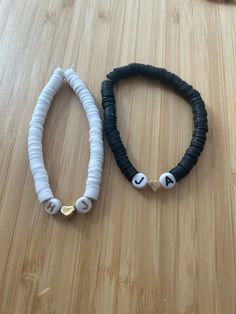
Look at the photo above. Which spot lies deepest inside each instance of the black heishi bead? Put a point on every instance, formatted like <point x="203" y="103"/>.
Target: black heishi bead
<point x="178" y="85"/>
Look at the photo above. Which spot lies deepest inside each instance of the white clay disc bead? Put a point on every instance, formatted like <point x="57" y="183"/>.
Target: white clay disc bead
<point x="52" y="206"/>
<point x="139" y="181"/>
<point x="167" y="180"/>
<point x="83" y="205"/>
<point x="35" y="146"/>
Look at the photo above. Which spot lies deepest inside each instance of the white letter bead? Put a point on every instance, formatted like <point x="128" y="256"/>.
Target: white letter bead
<point x="139" y="181"/>
<point x="167" y="180"/>
<point x="52" y="206"/>
<point x="83" y="205"/>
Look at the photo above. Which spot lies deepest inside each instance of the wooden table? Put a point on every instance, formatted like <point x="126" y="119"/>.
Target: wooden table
<point x="136" y="252"/>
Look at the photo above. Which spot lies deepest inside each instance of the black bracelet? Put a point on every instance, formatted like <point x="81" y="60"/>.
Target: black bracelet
<point x="168" y="179"/>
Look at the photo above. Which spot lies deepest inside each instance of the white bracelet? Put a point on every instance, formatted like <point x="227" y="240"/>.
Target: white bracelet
<point x="39" y="172"/>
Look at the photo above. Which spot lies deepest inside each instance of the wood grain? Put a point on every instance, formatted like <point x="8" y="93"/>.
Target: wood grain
<point x="136" y="252"/>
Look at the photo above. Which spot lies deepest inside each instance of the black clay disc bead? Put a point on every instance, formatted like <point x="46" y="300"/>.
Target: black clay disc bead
<point x="192" y="96"/>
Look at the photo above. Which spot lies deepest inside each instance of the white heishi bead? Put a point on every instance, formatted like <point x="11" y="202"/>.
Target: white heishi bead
<point x="140" y="180"/>
<point x="83" y="205"/>
<point x="52" y="206"/>
<point x="167" y="180"/>
<point x="35" y="145"/>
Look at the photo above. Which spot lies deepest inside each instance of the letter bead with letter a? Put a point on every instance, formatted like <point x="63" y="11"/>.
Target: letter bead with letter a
<point x="167" y="180"/>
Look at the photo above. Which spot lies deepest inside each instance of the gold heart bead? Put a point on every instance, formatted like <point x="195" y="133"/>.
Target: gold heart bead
<point x="67" y="211"/>
<point x="154" y="185"/>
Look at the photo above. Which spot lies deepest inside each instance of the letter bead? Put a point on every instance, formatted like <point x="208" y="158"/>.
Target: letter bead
<point x="140" y="180"/>
<point x="167" y="180"/>
<point x="83" y="205"/>
<point x="52" y="206"/>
